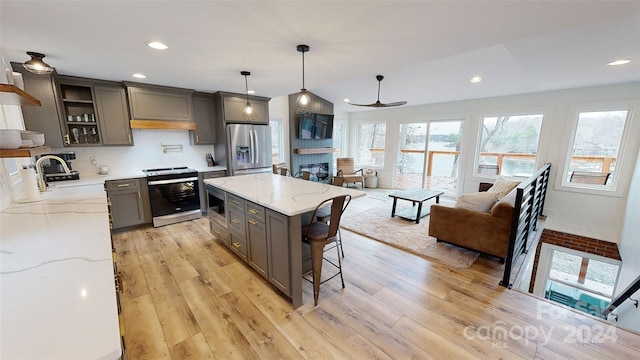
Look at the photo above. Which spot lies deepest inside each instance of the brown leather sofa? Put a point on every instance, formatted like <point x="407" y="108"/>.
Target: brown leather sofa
<point x="484" y="232"/>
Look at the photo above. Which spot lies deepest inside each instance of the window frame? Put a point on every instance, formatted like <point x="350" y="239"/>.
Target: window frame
<point x="281" y="149"/>
<point x="356" y="150"/>
<point x="342" y="151"/>
<point x="618" y="181"/>
<point x="480" y="122"/>
<point x="543" y="272"/>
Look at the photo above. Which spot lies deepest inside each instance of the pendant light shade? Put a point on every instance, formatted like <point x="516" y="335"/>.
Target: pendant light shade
<point x="36" y="65"/>
<point x="248" y="113"/>
<point x="304" y="100"/>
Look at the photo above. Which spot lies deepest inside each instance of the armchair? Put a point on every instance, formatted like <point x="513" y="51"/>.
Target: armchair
<point x="346" y="170"/>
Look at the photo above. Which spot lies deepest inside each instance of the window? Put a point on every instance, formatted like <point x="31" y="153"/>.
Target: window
<point x="277" y="146"/>
<point x="594" y="153"/>
<point x="582" y="281"/>
<point x="371" y="139"/>
<point x="338" y="141"/>
<point x="11" y="118"/>
<point x="508" y="145"/>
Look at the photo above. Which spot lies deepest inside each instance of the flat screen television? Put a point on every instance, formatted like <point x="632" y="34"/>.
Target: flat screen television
<point x="316" y="126"/>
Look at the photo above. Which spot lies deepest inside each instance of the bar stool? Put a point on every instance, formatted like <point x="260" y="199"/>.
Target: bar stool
<point x="324" y="214"/>
<point x="318" y="235"/>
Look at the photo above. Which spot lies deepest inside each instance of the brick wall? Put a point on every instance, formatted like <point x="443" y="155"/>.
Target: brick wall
<point x="575" y="242"/>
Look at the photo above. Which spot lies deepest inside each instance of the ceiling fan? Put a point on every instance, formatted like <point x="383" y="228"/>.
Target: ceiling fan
<point x="378" y="104"/>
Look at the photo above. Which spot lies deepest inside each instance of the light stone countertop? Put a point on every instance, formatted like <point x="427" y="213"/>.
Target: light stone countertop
<point x="286" y="195"/>
<point x="58" y="297"/>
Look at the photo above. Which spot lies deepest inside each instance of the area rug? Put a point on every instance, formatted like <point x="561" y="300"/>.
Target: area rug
<point x="376" y="223"/>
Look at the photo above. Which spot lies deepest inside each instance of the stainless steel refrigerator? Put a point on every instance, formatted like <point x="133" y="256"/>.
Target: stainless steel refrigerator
<point x="248" y="148"/>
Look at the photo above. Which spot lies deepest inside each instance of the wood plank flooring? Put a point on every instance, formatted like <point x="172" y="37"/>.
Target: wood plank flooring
<point x="185" y="296"/>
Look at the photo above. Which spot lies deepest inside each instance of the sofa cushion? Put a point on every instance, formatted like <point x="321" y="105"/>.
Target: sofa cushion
<point x="503" y="186"/>
<point x="480" y="201"/>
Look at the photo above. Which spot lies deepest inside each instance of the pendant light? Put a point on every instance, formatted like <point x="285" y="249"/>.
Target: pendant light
<point x="248" y="113"/>
<point x="304" y="100"/>
<point x="36" y="65"/>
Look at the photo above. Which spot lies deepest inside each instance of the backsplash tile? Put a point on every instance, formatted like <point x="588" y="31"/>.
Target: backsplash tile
<point x="146" y="153"/>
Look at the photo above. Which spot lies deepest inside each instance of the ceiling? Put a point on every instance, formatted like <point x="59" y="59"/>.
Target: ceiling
<point x="427" y="50"/>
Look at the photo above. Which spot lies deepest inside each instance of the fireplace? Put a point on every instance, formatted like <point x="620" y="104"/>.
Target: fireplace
<point x="320" y="170"/>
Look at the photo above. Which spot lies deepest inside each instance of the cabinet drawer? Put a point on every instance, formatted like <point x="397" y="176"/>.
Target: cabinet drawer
<point x="214" y="174"/>
<point x="126" y="184"/>
<point x="234" y="201"/>
<point x="236" y="220"/>
<point x="238" y="243"/>
<point x="219" y="231"/>
<point x="254" y="210"/>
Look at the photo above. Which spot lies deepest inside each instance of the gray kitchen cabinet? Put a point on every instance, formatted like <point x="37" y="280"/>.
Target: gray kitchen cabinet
<point x="230" y="108"/>
<point x="151" y="102"/>
<point x="278" y="255"/>
<point x="204" y="116"/>
<point x="256" y="238"/>
<point x="236" y="225"/>
<point x="260" y="237"/>
<point x="203" y="189"/>
<point x="126" y="203"/>
<point x="113" y="115"/>
<point x="92" y="112"/>
<point x="42" y="118"/>
<point x="220" y="232"/>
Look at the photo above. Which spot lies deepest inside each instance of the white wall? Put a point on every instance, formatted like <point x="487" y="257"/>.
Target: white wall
<point x="595" y="216"/>
<point x="629" y="316"/>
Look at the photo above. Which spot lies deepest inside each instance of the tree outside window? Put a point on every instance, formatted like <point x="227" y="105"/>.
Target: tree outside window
<point x="595" y="147"/>
<point x="509" y="145"/>
<point x="277" y="151"/>
<point x="371" y="144"/>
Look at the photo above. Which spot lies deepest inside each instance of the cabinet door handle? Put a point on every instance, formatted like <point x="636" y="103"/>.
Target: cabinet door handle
<point x="123" y="185"/>
<point x="253" y="211"/>
<point x="234" y="202"/>
<point x="218" y="232"/>
<point x="66" y="139"/>
<point x="139" y="196"/>
<point x="237" y="245"/>
<point x="253" y="222"/>
<point x="129" y="136"/>
<point x="235" y="221"/>
<point x="197" y="139"/>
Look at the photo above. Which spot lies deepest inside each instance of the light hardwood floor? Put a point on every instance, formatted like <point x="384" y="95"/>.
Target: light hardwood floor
<point x="185" y="296"/>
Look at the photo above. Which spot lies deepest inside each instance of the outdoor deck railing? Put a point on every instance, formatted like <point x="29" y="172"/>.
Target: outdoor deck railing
<point x="605" y="161"/>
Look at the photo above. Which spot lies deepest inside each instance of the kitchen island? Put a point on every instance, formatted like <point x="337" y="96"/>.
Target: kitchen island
<point x="287" y="204"/>
<point x="58" y="298"/>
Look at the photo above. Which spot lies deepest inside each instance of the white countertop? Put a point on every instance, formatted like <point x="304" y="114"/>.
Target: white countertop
<point x="58" y="296"/>
<point x="286" y="195"/>
<point x="100" y="179"/>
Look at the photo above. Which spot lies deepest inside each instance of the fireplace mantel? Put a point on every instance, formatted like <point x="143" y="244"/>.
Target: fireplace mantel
<point x="323" y="150"/>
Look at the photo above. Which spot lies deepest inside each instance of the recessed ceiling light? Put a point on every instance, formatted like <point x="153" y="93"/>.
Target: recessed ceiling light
<point x="347" y="100"/>
<point x="251" y="92"/>
<point x="475" y="79"/>
<point x="139" y="76"/>
<point x="156" y="45"/>
<point x="619" y="62"/>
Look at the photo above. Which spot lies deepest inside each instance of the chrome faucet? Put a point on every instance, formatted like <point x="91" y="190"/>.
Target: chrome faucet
<point x="42" y="186"/>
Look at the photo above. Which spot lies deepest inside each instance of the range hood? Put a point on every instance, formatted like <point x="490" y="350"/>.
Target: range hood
<point x="162" y="124"/>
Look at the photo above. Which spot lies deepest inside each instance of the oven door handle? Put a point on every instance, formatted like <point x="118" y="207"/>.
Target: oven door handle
<point x="172" y="181"/>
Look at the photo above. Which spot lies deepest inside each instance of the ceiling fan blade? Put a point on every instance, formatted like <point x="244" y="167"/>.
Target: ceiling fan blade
<point x="397" y="103"/>
<point x="369" y="105"/>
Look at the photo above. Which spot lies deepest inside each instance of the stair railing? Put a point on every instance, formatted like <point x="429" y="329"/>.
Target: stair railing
<point x="626" y="294"/>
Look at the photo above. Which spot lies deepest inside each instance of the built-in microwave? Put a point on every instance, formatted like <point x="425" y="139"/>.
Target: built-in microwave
<point x="215" y="205"/>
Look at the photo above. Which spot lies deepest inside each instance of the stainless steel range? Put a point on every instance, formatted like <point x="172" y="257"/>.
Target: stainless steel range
<point x="174" y="195"/>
